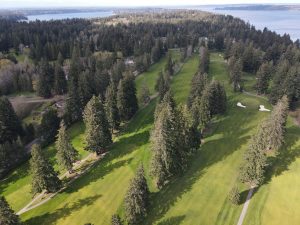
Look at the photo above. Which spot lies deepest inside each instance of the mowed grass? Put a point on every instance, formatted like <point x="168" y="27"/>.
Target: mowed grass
<point x="150" y="77"/>
<point x="94" y="197"/>
<point x="16" y="187"/>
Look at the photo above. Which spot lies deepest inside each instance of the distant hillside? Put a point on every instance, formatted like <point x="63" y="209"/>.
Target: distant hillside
<point x="260" y="7"/>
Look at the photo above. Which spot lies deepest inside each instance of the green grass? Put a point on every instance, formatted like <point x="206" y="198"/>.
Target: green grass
<point x="200" y="195"/>
<point x="149" y="77"/>
<point x="97" y="195"/>
<point x="16" y="187"/>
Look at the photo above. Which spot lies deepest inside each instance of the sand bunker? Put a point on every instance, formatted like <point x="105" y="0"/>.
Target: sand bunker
<point x="240" y="105"/>
<point x="263" y="109"/>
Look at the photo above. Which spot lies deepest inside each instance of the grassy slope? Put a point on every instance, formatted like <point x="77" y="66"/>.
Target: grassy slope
<point x="16" y="188"/>
<point x="97" y="195"/>
<point x="150" y="77"/>
<point x="200" y="196"/>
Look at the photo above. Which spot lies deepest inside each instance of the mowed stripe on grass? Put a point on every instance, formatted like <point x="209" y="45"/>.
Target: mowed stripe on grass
<point x="94" y="197"/>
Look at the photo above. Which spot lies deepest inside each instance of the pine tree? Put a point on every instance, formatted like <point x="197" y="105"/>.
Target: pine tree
<point x="137" y="198"/>
<point x="217" y="99"/>
<point x="145" y="94"/>
<point x="66" y="154"/>
<point x="97" y="133"/>
<point x="255" y="161"/>
<point x="236" y="74"/>
<point x="10" y="125"/>
<point x="73" y="110"/>
<point x="45" y="80"/>
<point x="234" y="195"/>
<point x="75" y="65"/>
<point x="60" y="82"/>
<point x="198" y="84"/>
<point x="263" y="77"/>
<point x="273" y="128"/>
<point x="43" y="175"/>
<point x="85" y="87"/>
<point x="60" y="59"/>
<point x="126" y="98"/>
<point x="169" y="66"/>
<point x="168" y="157"/>
<point x="49" y="126"/>
<point x="204" y="108"/>
<point x="111" y="108"/>
<point x="204" y="60"/>
<point x="7" y="215"/>
<point x="116" y="220"/>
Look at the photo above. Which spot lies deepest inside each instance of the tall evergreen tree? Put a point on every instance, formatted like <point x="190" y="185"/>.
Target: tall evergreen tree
<point x="43" y="175"/>
<point x="66" y="154"/>
<point x="111" y="107"/>
<point x="145" y="94"/>
<point x="73" y="109"/>
<point x="45" y="79"/>
<point x="137" y="198"/>
<point x="10" y="125"/>
<point x="85" y="87"/>
<point x="60" y="82"/>
<point x="255" y="161"/>
<point x="168" y="158"/>
<point x="126" y="98"/>
<point x="263" y="75"/>
<point x="236" y="74"/>
<point x="204" y="60"/>
<point x="97" y="133"/>
<point x="75" y="65"/>
<point x="49" y="126"/>
<point x="7" y="215"/>
<point x="204" y="109"/>
<point x="169" y="66"/>
<point x="162" y="84"/>
<point x="198" y="84"/>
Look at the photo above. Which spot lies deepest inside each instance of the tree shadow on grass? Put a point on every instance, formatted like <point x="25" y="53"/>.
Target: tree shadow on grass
<point x="210" y="154"/>
<point x="176" y="220"/>
<point x="288" y="154"/>
<point x="106" y="165"/>
<point x="66" y="210"/>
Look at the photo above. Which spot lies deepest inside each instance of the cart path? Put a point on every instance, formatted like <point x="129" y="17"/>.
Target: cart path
<point x="245" y="208"/>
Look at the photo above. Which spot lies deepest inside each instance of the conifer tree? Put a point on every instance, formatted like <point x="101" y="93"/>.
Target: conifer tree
<point x="263" y="77"/>
<point x="236" y="74"/>
<point x="75" y="65"/>
<point x="116" y="220"/>
<point x="111" y="108"/>
<point x="10" y="125"/>
<point x="162" y="84"/>
<point x="198" y="84"/>
<point x="126" y="98"/>
<point x="85" y="87"/>
<point x="49" y="126"/>
<point x="204" y="108"/>
<point x="66" y="154"/>
<point x="60" y="82"/>
<point x="45" y="79"/>
<point x="60" y="59"/>
<point x="7" y="215"/>
<point x="168" y="158"/>
<point x="97" y="133"/>
<point x="204" y="60"/>
<point x="255" y="161"/>
<point x="73" y="110"/>
<point x="169" y="66"/>
<point x="43" y="175"/>
<point x="145" y="94"/>
<point x="137" y="198"/>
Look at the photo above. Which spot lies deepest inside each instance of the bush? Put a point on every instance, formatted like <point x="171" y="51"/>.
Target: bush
<point x="234" y="195"/>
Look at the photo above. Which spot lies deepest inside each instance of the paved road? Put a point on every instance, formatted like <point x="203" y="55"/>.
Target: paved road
<point x="245" y="208"/>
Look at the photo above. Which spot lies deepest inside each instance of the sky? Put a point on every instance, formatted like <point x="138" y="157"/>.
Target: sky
<point x="129" y="3"/>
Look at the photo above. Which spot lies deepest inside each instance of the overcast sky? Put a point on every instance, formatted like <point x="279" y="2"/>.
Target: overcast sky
<point x="88" y="3"/>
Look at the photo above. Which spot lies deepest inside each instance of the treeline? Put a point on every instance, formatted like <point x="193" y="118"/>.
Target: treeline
<point x="276" y="69"/>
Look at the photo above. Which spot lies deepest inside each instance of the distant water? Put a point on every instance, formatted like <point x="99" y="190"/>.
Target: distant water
<point x="60" y="16"/>
<point x="281" y="21"/>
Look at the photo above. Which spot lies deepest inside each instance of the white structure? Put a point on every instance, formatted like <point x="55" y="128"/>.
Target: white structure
<point x="240" y="105"/>
<point x="263" y="109"/>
